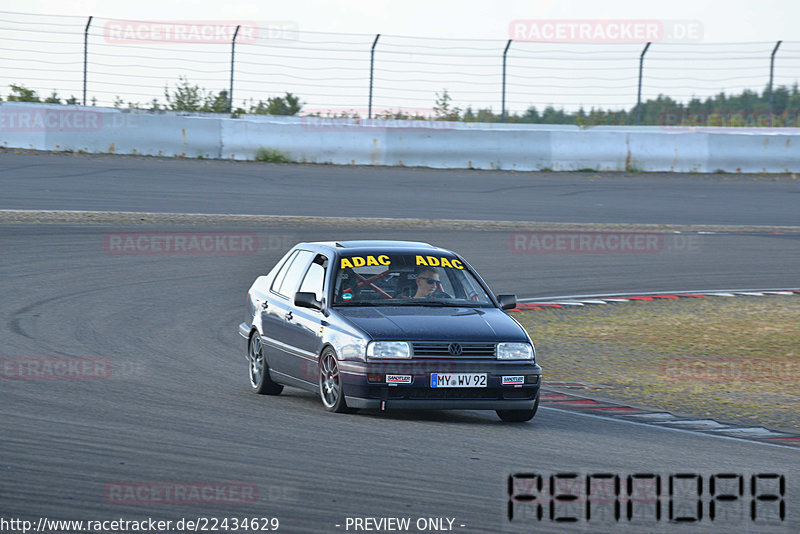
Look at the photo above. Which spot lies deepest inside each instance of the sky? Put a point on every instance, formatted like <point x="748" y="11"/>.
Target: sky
<point x="723" y="46"/>
<point x="723" y="21"/>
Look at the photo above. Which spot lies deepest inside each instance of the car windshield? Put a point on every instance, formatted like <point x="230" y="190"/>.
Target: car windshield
<point x="379" y="279"/>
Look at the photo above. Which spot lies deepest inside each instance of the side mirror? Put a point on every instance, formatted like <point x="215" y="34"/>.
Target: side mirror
<point x="304" y="299"/>
<point x="507" y="302"/>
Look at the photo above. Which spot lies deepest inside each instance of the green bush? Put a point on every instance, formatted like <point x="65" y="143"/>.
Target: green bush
<point x="189" y="97"/>
<point x="20" y="93"/>
<point x="279" y="105"/>
<point x="272" y="155"/>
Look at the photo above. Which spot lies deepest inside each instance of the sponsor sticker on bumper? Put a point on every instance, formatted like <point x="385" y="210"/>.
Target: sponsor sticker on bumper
<point x="513" y="380"/>
<point x="398" y="379"/>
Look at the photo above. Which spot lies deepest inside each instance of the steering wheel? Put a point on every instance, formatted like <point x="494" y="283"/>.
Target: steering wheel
<point x="439" y="294"/>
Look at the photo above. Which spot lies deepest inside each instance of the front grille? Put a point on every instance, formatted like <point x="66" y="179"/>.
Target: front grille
<point x="453" y="349"/>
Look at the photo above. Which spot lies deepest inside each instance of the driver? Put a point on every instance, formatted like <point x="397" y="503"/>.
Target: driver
<point x="427" y="282"/>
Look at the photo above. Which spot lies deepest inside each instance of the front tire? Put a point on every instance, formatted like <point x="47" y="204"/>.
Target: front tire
<point x="260" y="381"/>
<point x="330" y="383"/>
<point x="519" y="416"/>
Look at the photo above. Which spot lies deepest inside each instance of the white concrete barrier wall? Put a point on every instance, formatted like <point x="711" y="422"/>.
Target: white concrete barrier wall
<point x="748" y="153"/>
<point x="410" y="143"/>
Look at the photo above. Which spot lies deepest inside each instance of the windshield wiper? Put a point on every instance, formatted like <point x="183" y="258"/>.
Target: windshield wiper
<point x="393" y="302"/>
<point x="423" y="302"/>
<point x="412" y="302"/>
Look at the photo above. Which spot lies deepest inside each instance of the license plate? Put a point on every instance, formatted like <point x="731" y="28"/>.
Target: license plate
<point x="458" y="380"/>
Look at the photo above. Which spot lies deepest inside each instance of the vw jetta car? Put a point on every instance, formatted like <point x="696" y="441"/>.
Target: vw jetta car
<point x="388" y="325"/>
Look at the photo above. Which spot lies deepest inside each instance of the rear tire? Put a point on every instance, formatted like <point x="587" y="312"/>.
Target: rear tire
<point x="519" y="416"/>
<point x="260" y="381"/>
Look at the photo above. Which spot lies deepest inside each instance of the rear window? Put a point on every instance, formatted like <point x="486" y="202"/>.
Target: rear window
<point x="380" y="279"/>
<point x="291" y="273"/>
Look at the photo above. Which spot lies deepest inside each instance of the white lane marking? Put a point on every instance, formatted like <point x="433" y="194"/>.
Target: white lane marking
<point x="660" y="416"/>
<point x="751" y="293"/>
<point x="582" y="385"/>
<point x="594" y="302"/>
<point x="667" y="428"/>
<point x="720" y="294"/>
<point x="622" y="295"/>
<point x="698" y="423"/>
<point x="569" y="303"/>
<point x="752" y="431"/>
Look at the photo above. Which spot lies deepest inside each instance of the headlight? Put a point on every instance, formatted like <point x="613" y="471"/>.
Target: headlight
<point x="514" y="351"/>
<point x="388" y="349"/>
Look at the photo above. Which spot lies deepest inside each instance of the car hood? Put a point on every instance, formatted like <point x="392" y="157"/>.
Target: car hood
<point x="419" y="323"/>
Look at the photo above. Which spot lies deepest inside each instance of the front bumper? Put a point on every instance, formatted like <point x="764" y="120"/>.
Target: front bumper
<point x="363" y="391"/>
<point x="244" y="330"/>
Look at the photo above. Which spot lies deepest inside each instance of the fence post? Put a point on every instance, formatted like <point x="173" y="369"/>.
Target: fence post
<point x="639" y="94"/>
<point x="371" y="73"/>
<point x="503" y="106"/>
<point x="233" y="54"/>
<point x="771" y="70"/>
<point x="85" y="55"/>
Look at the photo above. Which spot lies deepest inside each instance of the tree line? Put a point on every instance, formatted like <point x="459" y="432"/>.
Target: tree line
<point x="748" y="108"/>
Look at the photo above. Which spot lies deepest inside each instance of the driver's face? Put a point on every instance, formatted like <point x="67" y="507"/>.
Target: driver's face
<point x="427" y="283"/>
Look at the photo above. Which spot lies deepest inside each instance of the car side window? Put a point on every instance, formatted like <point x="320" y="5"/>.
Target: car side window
<point x="315" y="277"/>
<point x="294" y="272"/>
<point x="278" y="280"/>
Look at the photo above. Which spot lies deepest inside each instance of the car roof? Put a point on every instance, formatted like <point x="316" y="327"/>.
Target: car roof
<point x="373" y="245"/>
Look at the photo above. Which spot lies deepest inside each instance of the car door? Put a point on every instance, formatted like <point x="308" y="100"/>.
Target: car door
<point x="308" y="322"/>
<point x="278" y="317"/>
<point x="268" y="312"/>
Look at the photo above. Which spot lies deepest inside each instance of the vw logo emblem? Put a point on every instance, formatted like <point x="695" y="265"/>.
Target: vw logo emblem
<point x="454" y="349"/>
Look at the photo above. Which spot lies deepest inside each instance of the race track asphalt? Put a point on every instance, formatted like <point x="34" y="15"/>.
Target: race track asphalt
<point x="177" y="406"/>
<point x="80" y="182"/>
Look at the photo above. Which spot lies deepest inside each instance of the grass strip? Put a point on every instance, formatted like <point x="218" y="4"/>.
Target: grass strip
<point x="732" y="359"/>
